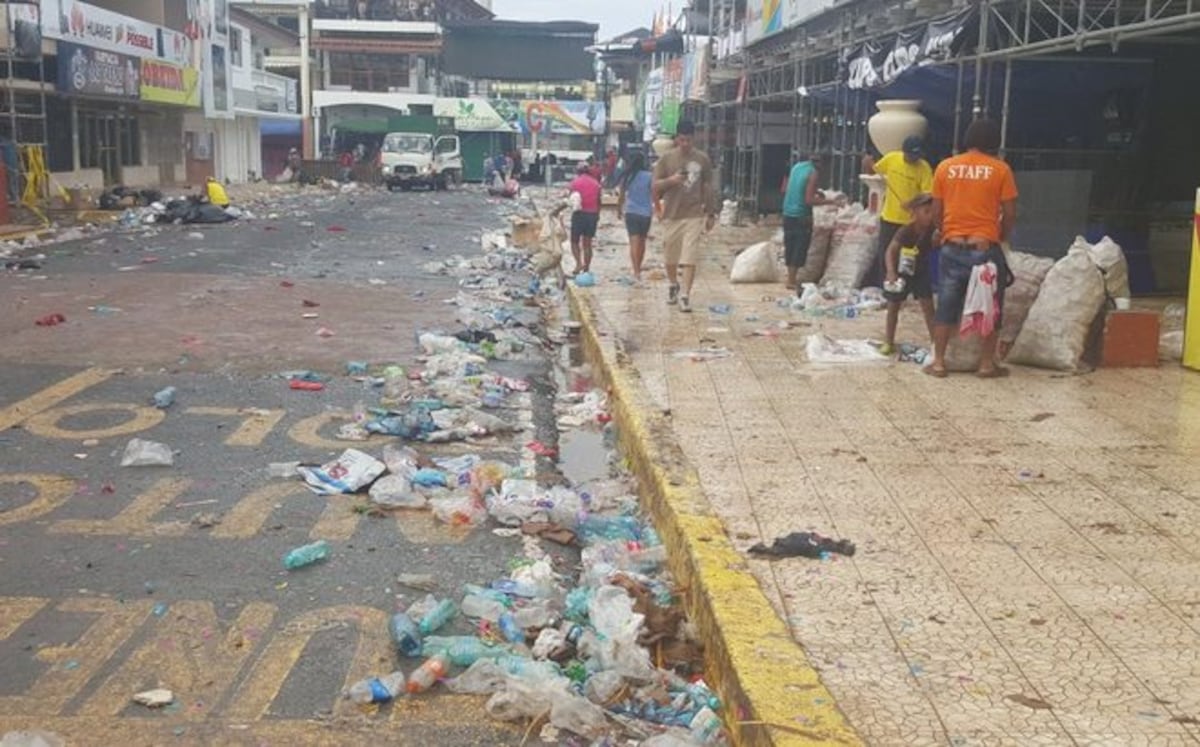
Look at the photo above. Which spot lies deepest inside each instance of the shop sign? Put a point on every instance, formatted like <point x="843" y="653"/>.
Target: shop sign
<point x="97" y="72"/>
<point x="81" y="23"/>
<point x="164" y="83"/>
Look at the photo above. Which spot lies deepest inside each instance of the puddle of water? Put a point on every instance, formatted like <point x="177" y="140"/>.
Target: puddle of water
<point x="583" y="456"/>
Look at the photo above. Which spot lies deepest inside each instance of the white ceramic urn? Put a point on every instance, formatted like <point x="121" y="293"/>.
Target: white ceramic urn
<point x="896" y="120"/>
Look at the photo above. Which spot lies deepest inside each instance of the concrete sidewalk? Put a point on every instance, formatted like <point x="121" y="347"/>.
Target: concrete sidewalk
<point x="1028" y="570"/>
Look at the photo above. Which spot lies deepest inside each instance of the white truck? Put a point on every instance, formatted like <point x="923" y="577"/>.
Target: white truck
<point x="419" y="159"/>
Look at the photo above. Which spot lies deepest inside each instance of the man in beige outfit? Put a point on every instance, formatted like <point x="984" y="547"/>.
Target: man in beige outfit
<point x="683" y="180"/>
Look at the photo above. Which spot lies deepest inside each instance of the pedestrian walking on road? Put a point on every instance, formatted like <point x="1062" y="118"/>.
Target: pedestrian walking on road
<point x="799" y="197"/>
<point x="683" y="179"/>
<point x="585" y="219"/>
<point x="975" y="208"/>
<point x="635" y="205"/>
<point x="906" y="174"/>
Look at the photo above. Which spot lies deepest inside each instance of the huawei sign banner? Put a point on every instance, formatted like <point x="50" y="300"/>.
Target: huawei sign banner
<point x="85" y="24"/>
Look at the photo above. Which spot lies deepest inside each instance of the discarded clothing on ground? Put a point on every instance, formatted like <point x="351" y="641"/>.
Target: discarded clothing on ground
<point x="804" y="545"/>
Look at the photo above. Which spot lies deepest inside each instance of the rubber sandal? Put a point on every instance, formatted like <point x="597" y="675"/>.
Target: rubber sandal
<point x="937" y="373"/>
<point x="999" y="372"/>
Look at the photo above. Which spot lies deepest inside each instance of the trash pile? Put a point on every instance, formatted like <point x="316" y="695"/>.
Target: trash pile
<point x="835" y="300"/>
<point x="595" y="649"/>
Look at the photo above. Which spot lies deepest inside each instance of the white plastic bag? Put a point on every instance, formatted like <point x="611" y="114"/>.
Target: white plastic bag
<point x="756" y="264"/>
<point x="1055" y="333"/>
<point x="395" y="491"/>
<point x="852" y="250"/>
<point x="349" y="473"/>
<point x="825" y="349"/>
<point x="142" y="453"/>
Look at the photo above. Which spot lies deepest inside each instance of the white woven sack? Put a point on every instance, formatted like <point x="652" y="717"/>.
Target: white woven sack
<point x="1056" y="330"/>
<point x="853" y="247"/>
<point x="756" y="264"/>
<point x="1108" y="256"/>
<point x="824" y="218"/>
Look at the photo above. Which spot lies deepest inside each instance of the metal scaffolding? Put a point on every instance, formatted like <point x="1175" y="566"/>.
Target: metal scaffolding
<point x="784" y="72"/>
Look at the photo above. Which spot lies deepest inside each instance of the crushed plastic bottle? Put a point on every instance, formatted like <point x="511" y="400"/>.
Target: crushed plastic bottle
<point x="427" y="675"/>
<point x="377" y="689"/>
<point x="510" y="630"/>
<point x="596" y="528"/>
<point x="405" y="634"/>
<point x="463" y="651"/>
<point x="164" y="398"/>
<point x="306" y="555"/>
<point x="706" y="726"/>
<point x="437" y="617"/>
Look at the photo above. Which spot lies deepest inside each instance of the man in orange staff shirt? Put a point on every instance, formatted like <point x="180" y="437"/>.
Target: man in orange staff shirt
<point x="975" y="201"/>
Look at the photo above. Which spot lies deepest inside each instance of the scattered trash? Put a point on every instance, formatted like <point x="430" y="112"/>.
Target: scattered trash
<point x="164" y="398"/>
<point x="50" y="320"/>
<point x="756" y="264"/>
<point x="142" y="453"/>
<point x="585" y="280"/>
<point x="32" y="738"/>
<point x="325" y="332"/>
<point x="377" y="689"/>
<point x="356" y="368"/>
<point x="206" y="521"/>
<point x="422" y="581"/>
<point x="309" y="304"/>
<point x="720" y="308"/>
<point x="825" y="349"/>
<point x="305" y="386"/>
<point x="304" y="555"/>
<point x="804" y="544"/>
<point x="703" y="354"/>
<point x="349" y="473"/>
<point x="156" y="698"/>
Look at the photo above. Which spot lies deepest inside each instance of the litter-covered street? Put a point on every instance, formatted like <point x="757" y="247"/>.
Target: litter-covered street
<point x="233" y="454"/>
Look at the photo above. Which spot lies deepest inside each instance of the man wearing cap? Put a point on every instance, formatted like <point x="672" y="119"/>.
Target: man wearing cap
<point x="906" y="174"/>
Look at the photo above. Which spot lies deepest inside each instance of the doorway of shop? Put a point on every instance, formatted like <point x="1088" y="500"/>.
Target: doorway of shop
<point x="108" y="140"/>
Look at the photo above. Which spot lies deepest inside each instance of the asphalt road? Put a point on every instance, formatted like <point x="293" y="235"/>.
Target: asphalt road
<point x="114" y="580"/>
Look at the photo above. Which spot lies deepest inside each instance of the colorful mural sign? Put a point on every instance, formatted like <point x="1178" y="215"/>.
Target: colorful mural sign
<point x="97" y="72"/>
<point x="164" y="83"/>
<point x="562" y="117"/>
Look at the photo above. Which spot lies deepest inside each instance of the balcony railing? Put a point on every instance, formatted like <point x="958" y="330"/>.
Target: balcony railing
<point x="425" y="11"/>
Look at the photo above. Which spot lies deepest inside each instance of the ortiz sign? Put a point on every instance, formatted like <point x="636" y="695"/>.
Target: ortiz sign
<point x="103" y="29"/>
<point x="165" y="83"/>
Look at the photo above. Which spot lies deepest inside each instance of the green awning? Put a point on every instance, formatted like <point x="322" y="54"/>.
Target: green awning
<point x="365" y="126"/>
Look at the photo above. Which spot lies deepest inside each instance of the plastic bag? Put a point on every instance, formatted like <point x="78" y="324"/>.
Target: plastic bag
<point x="349" y="473"/>
<point x="756" y="264"/>
<point x="1055" y="333"/>
<point x="394" y="491"/>
<point x="825" y="349"/>
<point x="459" y="509"/>
<point x="142" y="453"/>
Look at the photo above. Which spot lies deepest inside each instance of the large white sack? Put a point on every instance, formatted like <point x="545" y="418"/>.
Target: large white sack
<point x="852" y="250"/>
<point x="824" y="218"/>
<point x="1108" y="256"/>
<point x="1029" y="271"/>
<point x="1055" y="332"/>
<point x="756" y="264"/>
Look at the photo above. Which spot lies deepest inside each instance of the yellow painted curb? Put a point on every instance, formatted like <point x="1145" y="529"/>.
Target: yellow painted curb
<point x="772" y="693"/>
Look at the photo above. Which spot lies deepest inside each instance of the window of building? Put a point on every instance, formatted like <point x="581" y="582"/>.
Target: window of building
<point x="108" y="139"/>
<point x="235" y="46"/>
<point x="369" y="72"/>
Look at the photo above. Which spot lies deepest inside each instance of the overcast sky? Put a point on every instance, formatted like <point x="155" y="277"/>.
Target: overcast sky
<point x="614" y="16"/>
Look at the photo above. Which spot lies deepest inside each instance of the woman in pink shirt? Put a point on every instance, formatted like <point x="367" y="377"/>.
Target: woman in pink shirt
<point x="584" y="220"/>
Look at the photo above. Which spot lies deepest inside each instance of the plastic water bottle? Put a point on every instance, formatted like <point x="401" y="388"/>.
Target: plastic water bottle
<point x="377" y="689"/>
<point x="705" y="726"/>
<point x="482" y="608"/>
<point x="702" y="696"/>
<point x="438" y="616"/>
<point x="306" y="555"/>
<point x="405" y="634"/>
<point x="431" y="670"/>
<point x="908" y="261"/>
<point x="512" y="632"/>
<point x="164" y="398"/>
<point x="519" y="666"/>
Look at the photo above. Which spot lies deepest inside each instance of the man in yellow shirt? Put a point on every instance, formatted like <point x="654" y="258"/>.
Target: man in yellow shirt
<point x="906" y="174"/>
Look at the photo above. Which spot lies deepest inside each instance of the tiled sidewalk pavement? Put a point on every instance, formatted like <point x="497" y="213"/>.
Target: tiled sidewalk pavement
<point x="984" y="606"/>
